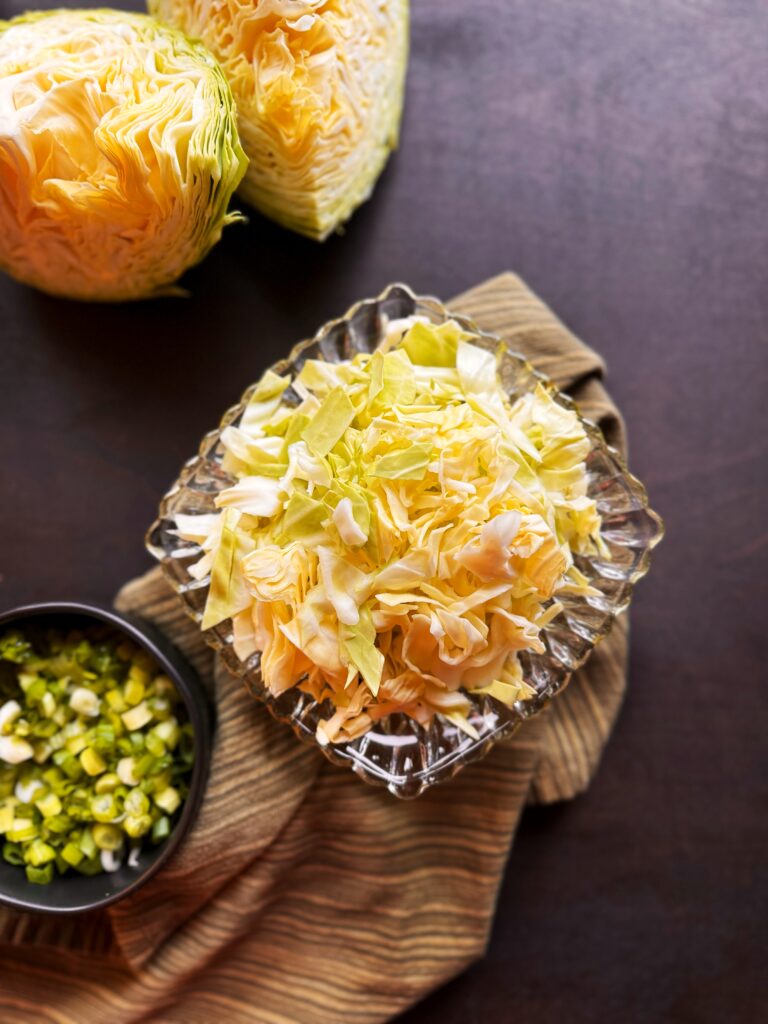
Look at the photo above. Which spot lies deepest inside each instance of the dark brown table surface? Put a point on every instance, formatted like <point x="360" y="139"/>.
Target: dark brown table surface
<point x="616" y="155"/>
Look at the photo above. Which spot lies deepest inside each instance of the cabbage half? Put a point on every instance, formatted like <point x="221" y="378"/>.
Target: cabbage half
<point x="118" y="153"/>
<point x="319" y="91"/>
<point x="395" y="540"/>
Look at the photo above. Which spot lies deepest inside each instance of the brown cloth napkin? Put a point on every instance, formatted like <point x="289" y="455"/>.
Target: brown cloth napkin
<point x="303" y="896"/>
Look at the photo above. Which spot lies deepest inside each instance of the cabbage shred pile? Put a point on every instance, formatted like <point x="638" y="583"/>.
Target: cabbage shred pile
<point x="397" y="538"/>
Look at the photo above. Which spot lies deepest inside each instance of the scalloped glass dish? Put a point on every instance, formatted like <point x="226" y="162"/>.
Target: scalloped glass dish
<point x="397" y="752"/>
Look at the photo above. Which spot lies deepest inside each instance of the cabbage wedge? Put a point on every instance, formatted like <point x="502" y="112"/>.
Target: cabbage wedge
<point x="119" y="153"/>
<point x="319" y="91"/>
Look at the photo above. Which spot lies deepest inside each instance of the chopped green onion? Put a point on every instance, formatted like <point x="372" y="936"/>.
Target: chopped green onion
<point x="87" y="844"/>
<point x="6" y="818"/>
<point x="72" y="854"/>
<point x="104" y="807"/>
<point x="137" y="826"/>
<point x="12" y="854"/>
<point x="39" y="853"/>
<point x="126" y="771"/>
<point x="155" y="745"/>
<point x="59" y="824"/>
<point x="136" y="803"/>
<point x="92" y="866"/>
<point x="91" y="752"/>
<point x="21" y="830"/>
<point x="48" y="705"/>
<point x="107" y="837"/>
<point x="85" y="702"/>
<point x="161" y="829"/>
<point x="107" y="783"/>
<point x="42" y="876"/>
<point x="168" y="800"/>
<point x="116" y="700"/>
<point x="49" y="805"/>
<point x="92" y="761"/>
<point x="134" y="690"/>
<point x="137" y="717"/>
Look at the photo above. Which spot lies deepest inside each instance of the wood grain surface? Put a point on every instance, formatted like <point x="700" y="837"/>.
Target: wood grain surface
<point x="616" y="155"/>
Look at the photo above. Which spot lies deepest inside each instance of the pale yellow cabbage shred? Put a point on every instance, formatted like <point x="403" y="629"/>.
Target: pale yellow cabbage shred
<point x="400" y="535"/>
<point x="319" y="91"/>
<point x="119" y="153"/>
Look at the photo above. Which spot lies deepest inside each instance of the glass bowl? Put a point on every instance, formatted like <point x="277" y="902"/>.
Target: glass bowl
<point x="397" y="752"/>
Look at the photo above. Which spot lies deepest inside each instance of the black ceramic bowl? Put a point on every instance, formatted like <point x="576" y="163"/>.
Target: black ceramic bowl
<point x="73" y="893"/>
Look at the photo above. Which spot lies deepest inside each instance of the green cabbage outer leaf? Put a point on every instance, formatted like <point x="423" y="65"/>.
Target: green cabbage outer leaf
<point x="119" y="153"/>
<point x="413" y="540"/>
<point x="319" y="91"/>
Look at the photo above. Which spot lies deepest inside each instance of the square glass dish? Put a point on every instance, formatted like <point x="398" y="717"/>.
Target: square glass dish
<point x="397" y="752"/>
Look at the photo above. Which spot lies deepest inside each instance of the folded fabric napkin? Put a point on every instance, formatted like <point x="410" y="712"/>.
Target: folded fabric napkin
<point x="303" y="896"/>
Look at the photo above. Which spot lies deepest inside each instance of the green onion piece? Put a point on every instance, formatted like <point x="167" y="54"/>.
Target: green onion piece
<point x="104" y="807"/>
<point x="7" y="781"/>
<point x="187" y="742"/>
<point x="36" y="691"/>
<point x="136" y="803"/>
<point x="39" y="853"/>
<point x="136" y="827"/>
<point x="144" y="764"/>
<point x="52" y="776"/>
<point x="12" y="854"/>
<point x="59" y="825"/>
<point x="79" y="812"/>
<point x="104" y="738"/>
<point x="163" y="686"/>
<point x="107" y="783"/>
<point x="160" y="708"/>
<point x="107" y="837"/>
<point x="161" y="829"/>
<point x="49" y="805"/>
<point x="167" y="731"/>
<point x="116" y="700"/>
<point x="72" y="854"/>
<point x="87" y="844"/>
<point x="92" y="761"/>
<point x="126" y="770"/>
<point x="41" y="876"/>
<point x="91" y="866"/>
<point x="22" y="830"/>
<point x="6" y="818"/>
<point x="134" y="689"/>
<point x="168" y="800"/>
<point x="155" y="745"/>
<point x="137" y="718"/>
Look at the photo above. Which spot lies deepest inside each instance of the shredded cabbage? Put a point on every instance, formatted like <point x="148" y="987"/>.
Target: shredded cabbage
<point x="416" y="539"/>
